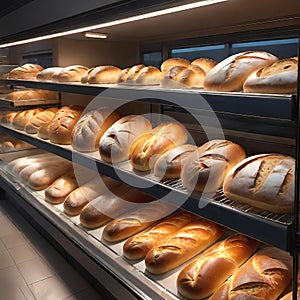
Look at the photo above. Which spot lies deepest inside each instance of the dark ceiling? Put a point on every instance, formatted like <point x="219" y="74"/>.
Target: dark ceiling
<point x="7" y="6"/>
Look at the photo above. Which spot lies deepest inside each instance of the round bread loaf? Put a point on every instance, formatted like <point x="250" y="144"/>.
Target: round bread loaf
<point x="173" y="62"/>
<point x="147" y="148"/>
<point x="104" y="74"/>
<point x="206" y="64"/>
<point x="90" y="128"/>
<point x="20" y="120"/>
<point x="230" y="74"/>
<point x="266" y="181"/>
<point x="278" y="78"/>
<point x="63" y="123"/>
<point x="27" y="71"/>
<point x="70" y="73"/>
<point x="48" y="74"/>
<point x="133" y="73"/>
<point x="205" y="169"/>
<point x="115" y="143"/>
<point x="149" y="76"/>
<point x="169" y="165"/>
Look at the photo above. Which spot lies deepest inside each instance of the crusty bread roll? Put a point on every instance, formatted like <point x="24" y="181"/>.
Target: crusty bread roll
<point x="147" y="148"/>
<point x="104" y="74"/>
<point x="173" y="62"/>
<point x="133" y="73"/>
<point x="206" y="64"/>
<point x="199" y="279"/>
<point x="63" y="123"/>
<point x="205" y="169"/>
<point x="135" y="221"/>
<point x="264" y="276"/>
<point x="48" y="74"/>
<point x="20" y="120"/>
<point x="138" y="246"/>
<point x="9" y="116"/>
<point x="148" y="76"/>
<point x="182" y="246"/>
<point x="110" y="205"/>
<point x="169" y="165"/>
<point x="45" y="116"/>
<point x="115" y="143"/>
<point x="70" y="73"/>
<point x="61" y="188"/>
<point x="124" y="74"/>
<point x="278" y="78"/>
<point x="230" y="74"/>
<point x="29" y="94"/>
<point x="80" y="197"/>
<point x="265" y="181"/>
<point x="27" y="72"/>
<point x="90" y="128"/>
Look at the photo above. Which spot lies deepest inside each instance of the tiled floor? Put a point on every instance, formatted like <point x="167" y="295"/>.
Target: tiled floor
<point x="30" y="268"/>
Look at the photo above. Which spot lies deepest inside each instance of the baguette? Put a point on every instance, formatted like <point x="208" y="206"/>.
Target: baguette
<point x="137" y="246"/>
<point x="135" y="221"/>
<point x="199" y="279"/>
<point x="182" y="246"/>
<point x="264" y="276"/>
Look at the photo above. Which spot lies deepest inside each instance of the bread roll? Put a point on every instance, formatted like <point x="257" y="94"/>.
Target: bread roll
<point x="44" y="130"/>
<point x="205" y="169"/>
<point x="27" y="72"/>
<point x="46" y="116"/>
<point x="31" y="95"/>
<point x="147" y="148"/>
<point x="264" y="276"/>
<point x="266" y="181"/>
<point x="80" y="197"/>
<point x="135" y="221"/>
<point x="61" y="188"/>
<point x="206" y="64"/>
<point x="63" y="123"/>
<point x="48" y="74"/>
<point x="124" y="74"/>
<point x="133" y="73"/>
<point x="173" y="62"/>
<point x="200" y="278"/>
<point x="148" y="76"/>
<point x="137" y="246"/>
<point x="182" y="246"/>
<point x="20" y="120"/>
<point x="107" y="206"/>
<point x="230" y="74"/>
<point x="169" y="165"/>
<point x="105" y="74"/>
<point x="70" y="73"/>
<point x="278" y="78"/>
<point x="9" y="116"/>
<point x="90" y="128"/>
<point x="115" y="143"/>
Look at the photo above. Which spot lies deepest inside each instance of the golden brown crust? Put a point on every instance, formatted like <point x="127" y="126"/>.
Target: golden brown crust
<point x="31" y="95"/>
<point x="26" y="72"/>
<point x="206" y="64"/>
<point x="48" y="74"/>
<point x="21" y="118"/>
<point x="104" y="74"/>
<point x="71" y="73"/>
<point x="175" y="61"/>
<point x="148" y="76"/>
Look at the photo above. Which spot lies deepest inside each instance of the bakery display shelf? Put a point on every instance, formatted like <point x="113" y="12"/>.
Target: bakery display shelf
<point x="5" y="103"/>
<point x="273" y="106"/>
<point x="274" y="229"/>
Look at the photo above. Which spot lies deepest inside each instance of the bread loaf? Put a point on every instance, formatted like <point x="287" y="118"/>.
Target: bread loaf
<point x="206" y="64"/>
<point x="48" y="74"/>
<point x="136" y="220"/>
<point x="200" y="278"/>
<point x="133" y="73"/>
<point x="9" y="116"/>
<point x="169" y="165"/>
<point x="34" y="123"/>
<point x="108" y="206"/>
<point x="182" y="246"/>
<point x="147" y="148"/>
<point x="148" y="76"/>
<point x="70" y="73"/>
<point x="230" y="74"/>
<point x="44" y="130"/>
<point x="205" y="169"/>
<point x="266" y="181"/>
<point x="31" y="95"/>
<point x="173" y="62"/>
<point x="85" y="77"/>
<point x="264" y="276"/>
<point x="90" y="128"/>
<point x="123" y="75"/>
<point x="80" y="197"/>
<point x="278" y="78"/>
<point x="115" y="143"/>
<point x="137" y="246"/>
<point x="26" y="71"/>
<point x="20" y="120"/>
<point x="9" y="143"/>
<point x="104" y="74"/>
<point x="63" y="123"/>
<point x="61" y="188"/>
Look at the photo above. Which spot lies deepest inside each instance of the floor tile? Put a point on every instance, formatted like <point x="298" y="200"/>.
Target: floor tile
<point x="22" y="253"/>
<point x="11" y="277"/>
<point x="5" y="259"/>
<point x="13" y="239"/>
<point x="35" y="270"/>
<point x="2" y="246"/>
<point x="7" y="228"/>
<point x="27" y="293"/>
<point x="89" y="294"/>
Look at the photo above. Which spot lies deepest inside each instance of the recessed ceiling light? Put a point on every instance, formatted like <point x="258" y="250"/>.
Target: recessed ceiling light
<point x="95" y="35"/>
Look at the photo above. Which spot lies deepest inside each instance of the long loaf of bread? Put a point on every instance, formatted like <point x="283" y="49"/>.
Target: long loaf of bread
<point x="182" y="246"/>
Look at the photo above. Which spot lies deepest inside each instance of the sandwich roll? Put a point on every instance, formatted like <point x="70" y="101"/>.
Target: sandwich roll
<point x="135" y="221"/>
<point x="115" y="143"/>
<point x="138" y="246"/>
<point x="182" y="246"/>
<point x="205" y="169"/>
<point x="266" y="181"/>
<point x="26" y="71"/>
<point x="264" y="276"/>
<point x="200" y="278"/>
